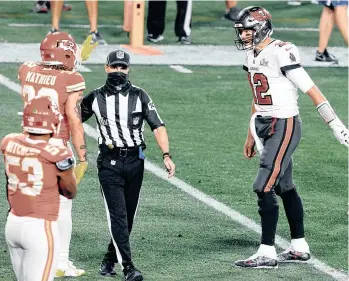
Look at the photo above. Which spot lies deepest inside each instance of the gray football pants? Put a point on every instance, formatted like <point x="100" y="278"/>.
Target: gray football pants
<point x="281" y="138"/>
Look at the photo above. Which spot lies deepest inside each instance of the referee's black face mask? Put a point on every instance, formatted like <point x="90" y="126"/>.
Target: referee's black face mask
<point x="117" y="78"/>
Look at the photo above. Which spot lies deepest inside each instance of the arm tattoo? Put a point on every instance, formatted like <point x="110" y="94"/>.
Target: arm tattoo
<point x="83" y="147"/>
<point x="78" y="109"/>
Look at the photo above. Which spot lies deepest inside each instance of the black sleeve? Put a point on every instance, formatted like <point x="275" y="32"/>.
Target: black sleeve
<point x="86" y="106"/>
<point x="150" y="113"/>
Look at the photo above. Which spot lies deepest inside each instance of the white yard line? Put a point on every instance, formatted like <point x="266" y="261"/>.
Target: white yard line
<point x="206" y="199"/>
<point x="181" y="69"/>
<point x="308" y="29"/>
<point x="200" y="55"/>
<point x="83" y="68"/>
<point x="62" y="25"/>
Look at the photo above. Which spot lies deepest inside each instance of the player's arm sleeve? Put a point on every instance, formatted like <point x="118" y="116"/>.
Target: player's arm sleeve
<point x="149" y="112"/>
<point x="290" y="66"/>
<point x="300" y="78"/>
<point x="86" y="106"/>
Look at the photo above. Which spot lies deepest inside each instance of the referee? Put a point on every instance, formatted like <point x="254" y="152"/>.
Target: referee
<point x="156" y="20"/>
<point x="120" y="109"/>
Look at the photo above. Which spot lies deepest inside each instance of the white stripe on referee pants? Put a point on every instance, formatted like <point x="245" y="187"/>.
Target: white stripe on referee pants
<point x="187" y="18"/>
<point x="118" y="254"/>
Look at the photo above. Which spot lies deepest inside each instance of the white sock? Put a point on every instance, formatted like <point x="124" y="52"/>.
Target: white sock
<point x="300" y="245"/>
<point x="65" y="230"/>
<point x="267" y="251"/>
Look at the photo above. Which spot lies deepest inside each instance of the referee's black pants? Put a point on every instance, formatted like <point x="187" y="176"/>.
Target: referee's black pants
<point x="156" y="18"/>
<point x="120" y="175"/>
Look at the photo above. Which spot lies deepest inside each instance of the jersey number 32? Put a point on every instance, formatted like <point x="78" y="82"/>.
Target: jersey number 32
<point x="260" y="87"/>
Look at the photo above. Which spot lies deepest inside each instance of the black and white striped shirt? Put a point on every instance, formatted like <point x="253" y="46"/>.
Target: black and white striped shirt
<point x="120" y="116"/>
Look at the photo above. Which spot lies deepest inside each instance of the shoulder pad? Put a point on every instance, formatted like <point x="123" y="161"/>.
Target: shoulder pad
<point x="55" y="154"/>
<point x="75" y="82"/>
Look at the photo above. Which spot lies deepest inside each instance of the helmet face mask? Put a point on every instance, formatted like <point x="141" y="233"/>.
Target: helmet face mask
<point x="244" y="43"/>
<point x="256" y="19"/>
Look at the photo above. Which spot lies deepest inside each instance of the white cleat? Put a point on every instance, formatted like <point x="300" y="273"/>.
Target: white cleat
<point x="69" y="271"/>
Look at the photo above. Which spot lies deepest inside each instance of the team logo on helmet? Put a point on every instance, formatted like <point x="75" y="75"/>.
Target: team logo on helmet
<point x="260" y="15"/>
<point x="60" y="49"/>
<point x="41" y="116"/>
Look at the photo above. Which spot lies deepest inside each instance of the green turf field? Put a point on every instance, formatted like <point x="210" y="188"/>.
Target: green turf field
<point x="177" y="238"/>
<point x="207" y="17"/>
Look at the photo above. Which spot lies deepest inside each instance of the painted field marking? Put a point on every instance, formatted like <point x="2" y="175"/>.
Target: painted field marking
<point x="181" y="69"/>
<point x="206" y="199"/>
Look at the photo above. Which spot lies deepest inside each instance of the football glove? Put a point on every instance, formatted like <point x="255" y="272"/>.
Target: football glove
<point x="80" y="170"/>
<point x="340" y="131"/>
<point x="87" y="48"/>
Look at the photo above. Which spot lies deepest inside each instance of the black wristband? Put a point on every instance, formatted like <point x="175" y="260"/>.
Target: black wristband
<point x="166" y="154"/>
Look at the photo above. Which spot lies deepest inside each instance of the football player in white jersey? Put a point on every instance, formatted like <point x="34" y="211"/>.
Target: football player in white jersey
<point x="275" y="74"/>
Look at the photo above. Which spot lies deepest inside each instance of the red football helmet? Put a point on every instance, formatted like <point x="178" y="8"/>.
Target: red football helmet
<point x="41" y="116"/>
<point x="59" y="48"/>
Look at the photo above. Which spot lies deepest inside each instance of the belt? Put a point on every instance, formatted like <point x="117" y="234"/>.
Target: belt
<point x="118" y="151"/>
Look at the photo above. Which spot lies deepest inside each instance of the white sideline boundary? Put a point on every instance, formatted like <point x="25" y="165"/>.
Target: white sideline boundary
<point x="305" y="29"/>
<point x="186" y="55"/>
<point x="206" y="199"/>
<point x="83" y="68"/>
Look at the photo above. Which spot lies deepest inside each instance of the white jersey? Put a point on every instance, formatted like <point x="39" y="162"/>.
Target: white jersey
<point x="274" y="94"/>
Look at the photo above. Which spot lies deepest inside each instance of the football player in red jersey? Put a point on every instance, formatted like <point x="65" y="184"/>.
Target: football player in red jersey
<point x="56" y="76"/>
<point x="33" y="170"/>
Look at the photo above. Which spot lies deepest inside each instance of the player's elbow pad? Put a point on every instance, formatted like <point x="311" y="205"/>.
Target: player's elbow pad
<point x="300" y="78"/>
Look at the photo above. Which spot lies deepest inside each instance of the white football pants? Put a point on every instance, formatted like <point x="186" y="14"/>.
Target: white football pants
<point x="34" y="247"/>
<point x="65" y="223"/>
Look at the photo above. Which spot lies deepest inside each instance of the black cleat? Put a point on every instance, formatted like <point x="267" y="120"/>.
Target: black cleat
<point x="107" y="268"/>
<point x="325" y="57"/>
<point x="96" y="37"/>
<point x="257" y="262"/>
<point x="132" y="274"/>
<point x="155" y="39"/>
<point x="53" y="30"/>
<point x="293" y="256"/>
<point x="40" y="7"/>
<point x="232" y="14"/>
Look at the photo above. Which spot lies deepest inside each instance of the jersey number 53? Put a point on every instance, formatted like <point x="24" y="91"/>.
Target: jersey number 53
<point x="260" y="87"/>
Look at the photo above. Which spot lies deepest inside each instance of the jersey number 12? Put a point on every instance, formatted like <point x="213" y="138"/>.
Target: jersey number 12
<point x="260" y="87"/>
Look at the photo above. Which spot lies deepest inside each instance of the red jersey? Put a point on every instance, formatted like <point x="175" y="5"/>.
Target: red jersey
<point x="40" y="80"/>
<point x="32" y="182"/>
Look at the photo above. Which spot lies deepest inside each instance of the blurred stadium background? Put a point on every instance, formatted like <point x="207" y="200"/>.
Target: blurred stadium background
<point x="176" y="237"/>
